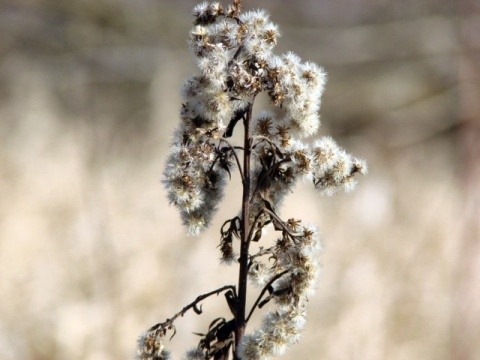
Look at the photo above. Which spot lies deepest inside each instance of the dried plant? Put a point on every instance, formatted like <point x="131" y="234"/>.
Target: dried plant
<point x="235" y="61"/>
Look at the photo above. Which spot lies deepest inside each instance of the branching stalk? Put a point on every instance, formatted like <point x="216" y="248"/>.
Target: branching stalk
<point x="265" y="289"/>
<point x="193" y="305"/>
<point x="232" y="148"/>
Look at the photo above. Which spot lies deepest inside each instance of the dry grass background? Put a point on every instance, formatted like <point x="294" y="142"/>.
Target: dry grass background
<point x="90" y="252"/>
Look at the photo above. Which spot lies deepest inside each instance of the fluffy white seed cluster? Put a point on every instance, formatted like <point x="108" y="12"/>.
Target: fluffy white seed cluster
<point x="334" y="169"/>
<point x="300" y="257"/>
<point x="235" y="61"/>
<point x="298" y="88"/>
<point x="194" y="181"/>
<point x="151" y="347"/>
<point x="281" y="328"/>
<point x="284" y="159"/>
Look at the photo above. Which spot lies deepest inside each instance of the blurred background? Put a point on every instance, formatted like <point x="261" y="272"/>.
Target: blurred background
<point x="91" y="254"/>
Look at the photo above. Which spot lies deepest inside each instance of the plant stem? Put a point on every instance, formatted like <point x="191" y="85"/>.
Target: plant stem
<point x="265" y="288"/>
<point x="193" y="305"/>
<point x="240" y="321"/>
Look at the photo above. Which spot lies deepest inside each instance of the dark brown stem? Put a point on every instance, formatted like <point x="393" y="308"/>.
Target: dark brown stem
<point x="282" y="224"/>
<point x="241" y="322"/>
<point x="262" y="252"/>
<point x="253" y="226"/>
<point x="272" y="280"/>
<point x="232" y="148"/>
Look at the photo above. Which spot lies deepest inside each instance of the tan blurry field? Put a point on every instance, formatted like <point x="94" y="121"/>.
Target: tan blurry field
<point x="91" y="254"/>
